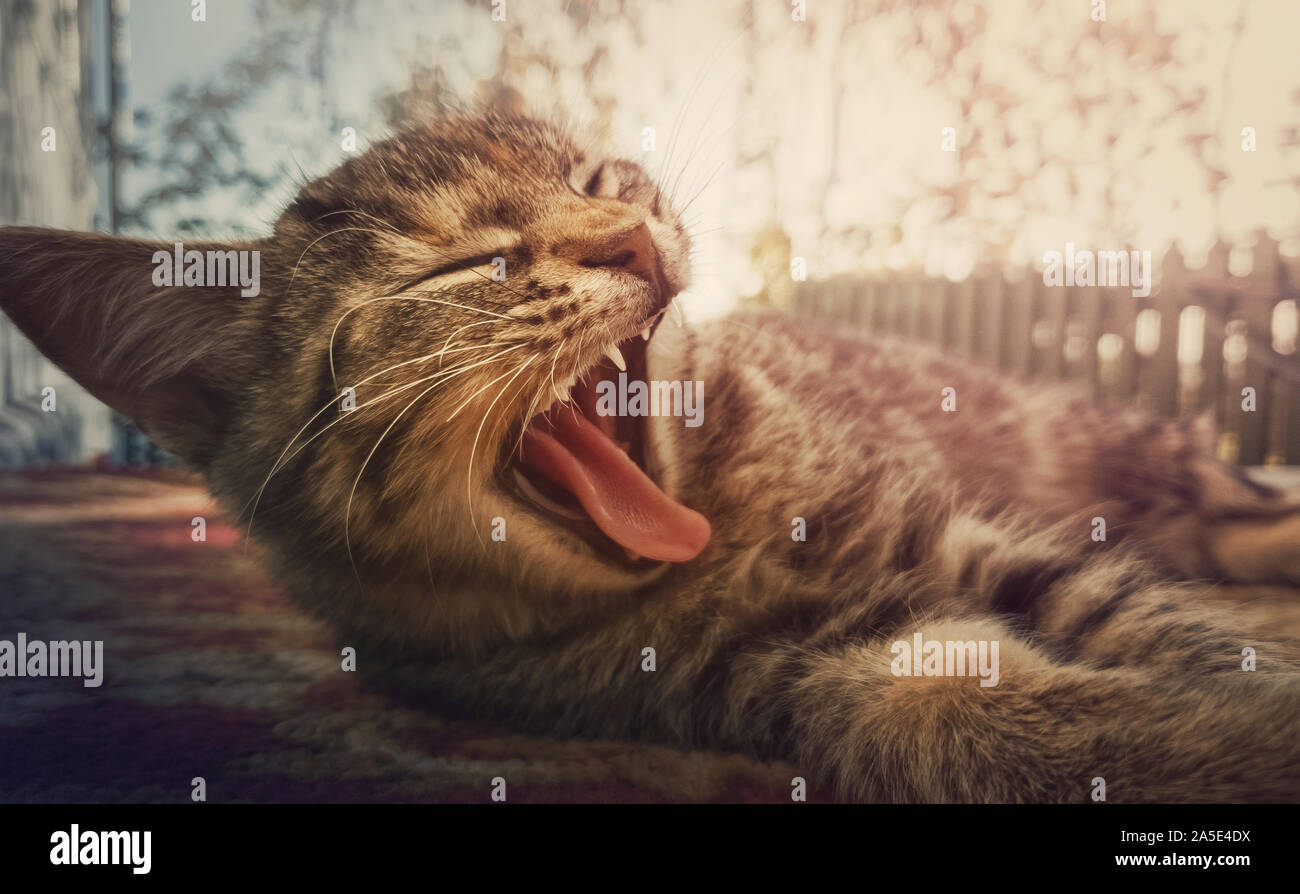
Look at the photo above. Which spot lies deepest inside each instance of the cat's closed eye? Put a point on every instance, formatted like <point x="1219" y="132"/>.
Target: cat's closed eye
<point x="603" y="183"/>
<point x="457" y="266"/>
<point x="599" y="181"/>
<point x="617" y="180"/>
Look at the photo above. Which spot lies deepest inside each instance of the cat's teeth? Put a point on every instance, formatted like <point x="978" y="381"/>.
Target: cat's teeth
<point x="631" y="555"/>
<point x="677" y="314"/>
<point x="616" y="356"/>
<point x="645" y="333"/>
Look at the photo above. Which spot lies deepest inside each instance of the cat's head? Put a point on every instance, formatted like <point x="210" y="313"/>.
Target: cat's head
<point x="413" y="383"/>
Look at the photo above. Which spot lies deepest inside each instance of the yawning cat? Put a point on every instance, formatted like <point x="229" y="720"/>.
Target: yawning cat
<point x="405" y="416"/>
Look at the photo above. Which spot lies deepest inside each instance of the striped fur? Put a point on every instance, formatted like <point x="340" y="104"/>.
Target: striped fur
<point x="1118" y="659"/>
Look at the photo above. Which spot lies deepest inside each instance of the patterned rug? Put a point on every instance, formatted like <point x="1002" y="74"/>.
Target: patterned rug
<point x="210" y="671"/>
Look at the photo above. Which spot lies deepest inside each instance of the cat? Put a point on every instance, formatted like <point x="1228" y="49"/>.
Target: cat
<point x="404" y="419"/>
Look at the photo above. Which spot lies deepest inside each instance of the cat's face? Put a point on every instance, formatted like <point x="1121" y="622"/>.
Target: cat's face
<point x="472" y="282"/>
<point x="413" y="386"/>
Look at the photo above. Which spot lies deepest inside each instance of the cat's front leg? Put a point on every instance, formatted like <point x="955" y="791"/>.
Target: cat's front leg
<point x="1046" y="731"/>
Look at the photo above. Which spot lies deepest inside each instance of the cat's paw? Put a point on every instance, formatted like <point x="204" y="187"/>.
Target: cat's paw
<point x="1258" y="551"/>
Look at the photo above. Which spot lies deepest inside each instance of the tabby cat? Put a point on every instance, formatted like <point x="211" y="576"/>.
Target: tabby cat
<point x="405" y="418"/>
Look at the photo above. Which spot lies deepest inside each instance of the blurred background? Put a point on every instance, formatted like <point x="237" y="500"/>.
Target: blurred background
<point x="895" y="165"/>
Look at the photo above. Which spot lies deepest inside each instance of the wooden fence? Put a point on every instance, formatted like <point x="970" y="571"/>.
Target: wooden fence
<point x="1193" y="344"/>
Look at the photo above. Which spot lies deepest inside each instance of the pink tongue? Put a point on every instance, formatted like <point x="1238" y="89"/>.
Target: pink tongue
<point x="619" y="497"/>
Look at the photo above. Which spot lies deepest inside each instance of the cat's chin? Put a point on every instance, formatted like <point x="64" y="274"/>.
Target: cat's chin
<point x="589" y="477"/>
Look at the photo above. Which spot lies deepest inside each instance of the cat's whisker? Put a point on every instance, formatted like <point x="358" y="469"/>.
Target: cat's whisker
<point x="282" y="462"/>
<point x="680" y="118"/>
<point x="702" y="140"/>
<point x="331" y="402"/>
<point x="347" y="513"/>
<point x="537" y="398"/>
<point x="581" y="337"/>
<point x="699" y="192"/>
<point x="467" y="400"/>
<point x="447" y="344"/>
<point x="554" y="360"/>
<point x="717" y="144"/>
<point x="679" y="121"/>
<point x="469" y="475"/>
<point x="369" y="380"/>
<point x="334" y="333"/>
<point x="519" y="442"/>
<point x="441" y="376"/>
<point x="438" y="355"/>
<point x="710" y="151"/>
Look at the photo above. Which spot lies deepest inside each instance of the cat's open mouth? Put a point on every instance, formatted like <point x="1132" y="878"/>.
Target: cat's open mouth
<point x="593" y="474"/>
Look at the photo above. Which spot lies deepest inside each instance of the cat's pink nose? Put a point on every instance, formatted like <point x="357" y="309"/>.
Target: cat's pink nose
<point x="632" y="249"/>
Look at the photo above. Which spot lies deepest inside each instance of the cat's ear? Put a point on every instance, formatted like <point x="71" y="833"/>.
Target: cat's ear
<point x="110" y="312"/>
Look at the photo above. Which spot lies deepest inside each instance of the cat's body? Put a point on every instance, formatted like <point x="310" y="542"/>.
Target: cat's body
<point x="971" y="525"/>
<point x="847" y="507"/>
